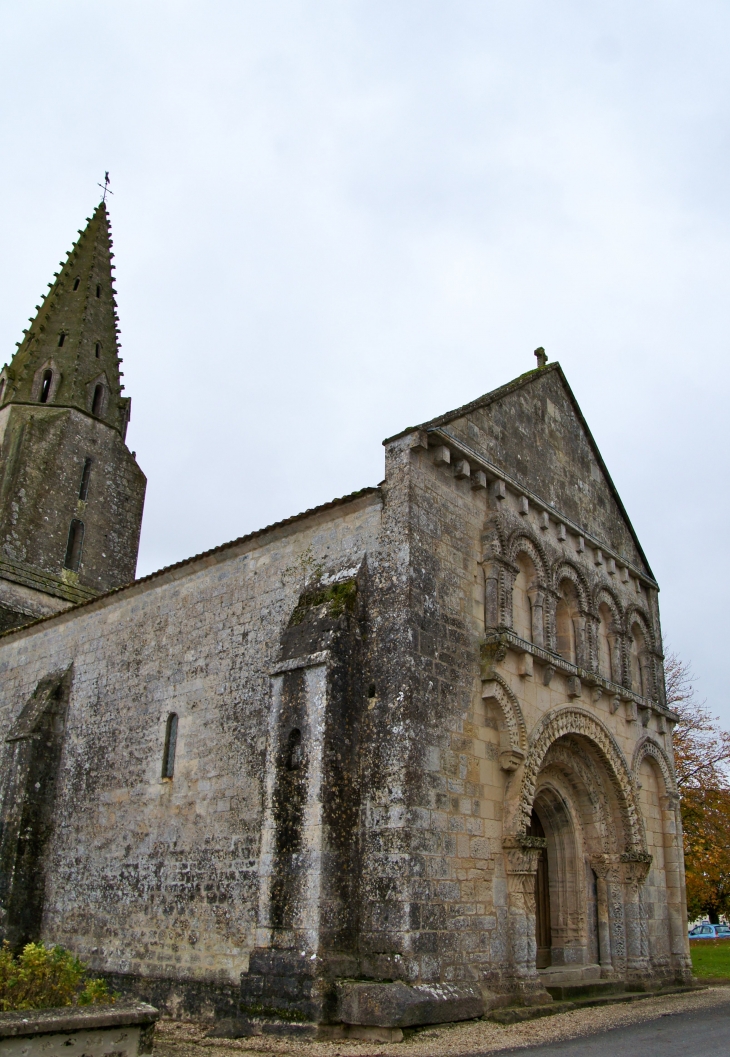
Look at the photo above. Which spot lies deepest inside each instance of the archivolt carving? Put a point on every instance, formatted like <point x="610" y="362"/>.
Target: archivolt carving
<point x="563" y="570"/>
<point x="573" y="720"/>
<point x="522" y="541"/>
<point x="648" y="747"/>
<point x="635" y="615"/>
<point x="571" y="759"/>
<point x="603" y="594"/>
<point x="496" y="689"/>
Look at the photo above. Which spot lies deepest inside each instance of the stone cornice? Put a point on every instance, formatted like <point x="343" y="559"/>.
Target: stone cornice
<point x="500" y="640"/>
<point x="495" y="474"/>
<point x="40" y="580"/>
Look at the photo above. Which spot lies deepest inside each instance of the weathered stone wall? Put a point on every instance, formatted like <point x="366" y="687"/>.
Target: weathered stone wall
<point x="42" y="455"/>
<point x="149" y="875"/>
<point x="389" y="711"/>
<point x="440" y="891"/>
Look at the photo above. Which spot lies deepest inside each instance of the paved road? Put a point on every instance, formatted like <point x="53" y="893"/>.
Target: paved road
<point x="705" y="1033"/>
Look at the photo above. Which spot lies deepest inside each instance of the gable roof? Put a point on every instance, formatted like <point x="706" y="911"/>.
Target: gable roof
<point x="518" y="383"/>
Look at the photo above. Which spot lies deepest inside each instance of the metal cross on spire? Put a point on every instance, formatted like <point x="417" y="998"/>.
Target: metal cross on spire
<point x="105" y="187"/>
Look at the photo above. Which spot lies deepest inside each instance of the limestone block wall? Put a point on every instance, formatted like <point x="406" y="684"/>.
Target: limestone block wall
<point x="146" y="874"/>
<point x="472" y="744"/>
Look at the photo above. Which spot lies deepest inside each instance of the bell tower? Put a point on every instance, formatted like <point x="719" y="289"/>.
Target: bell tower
<point x="71" y="492"/>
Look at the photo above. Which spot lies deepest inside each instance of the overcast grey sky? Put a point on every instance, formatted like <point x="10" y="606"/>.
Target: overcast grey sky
<point x="335" y="219"/>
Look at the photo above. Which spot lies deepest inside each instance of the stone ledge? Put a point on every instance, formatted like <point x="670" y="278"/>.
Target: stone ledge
<point x="399" y="1005"/>
<point x="498" y="641"/>
<point x="75" y="1018"/>
<point x="310" y="660"/>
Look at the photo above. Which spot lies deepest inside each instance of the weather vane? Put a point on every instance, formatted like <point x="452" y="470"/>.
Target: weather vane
<point x="105" y="187"/>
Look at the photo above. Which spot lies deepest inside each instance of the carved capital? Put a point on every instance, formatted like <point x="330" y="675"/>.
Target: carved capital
<point x="510" y="759"/>
<point x="635" y="867"/>
<point x="491" y="652"/>
<point x="522" y="854"/>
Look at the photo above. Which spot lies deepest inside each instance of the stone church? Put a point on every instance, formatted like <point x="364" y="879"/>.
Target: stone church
<point x="393" y="761"/>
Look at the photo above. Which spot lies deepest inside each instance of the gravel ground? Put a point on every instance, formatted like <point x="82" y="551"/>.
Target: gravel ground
<point x="175" y="1039"/>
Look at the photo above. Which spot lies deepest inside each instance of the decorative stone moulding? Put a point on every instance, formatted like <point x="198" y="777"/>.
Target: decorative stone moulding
<point x="469" y="465"/>
<point x="512" y="730"/>
<point x="494" y="651"/>
<point x="510" y="759"/>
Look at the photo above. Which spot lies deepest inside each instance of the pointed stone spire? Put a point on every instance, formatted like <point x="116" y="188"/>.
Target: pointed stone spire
<point x="69" y="356"/>
<point x="71" y="492"/>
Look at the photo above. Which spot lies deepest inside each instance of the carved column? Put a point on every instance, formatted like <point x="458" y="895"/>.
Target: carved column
<point x="635" y="871"/>
<point x="498" y="579"/>
<point x="537" y="602"/>
<point x="549" y="603"/>
<point x="521" y="856"/>
<point x="601" y="869"/>
<point x="582" y="656"/>
<point x="592" y="660"/>
<point x="491" y="594"/>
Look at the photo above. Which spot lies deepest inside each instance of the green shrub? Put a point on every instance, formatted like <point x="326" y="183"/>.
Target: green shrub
<point x="41" y="977"/>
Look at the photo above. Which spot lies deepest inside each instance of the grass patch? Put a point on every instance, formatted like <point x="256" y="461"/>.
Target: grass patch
<point x="337" y="598"/>
<point x="710" y="957"/>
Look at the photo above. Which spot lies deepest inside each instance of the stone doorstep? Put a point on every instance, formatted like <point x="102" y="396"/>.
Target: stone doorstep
<point x="517" y="1014"/>
<point x="569" y="975"/>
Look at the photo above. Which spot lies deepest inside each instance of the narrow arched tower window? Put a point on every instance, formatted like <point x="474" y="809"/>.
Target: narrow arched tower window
<point x="74" y="546"/>
<point x="97" y="350"/>
<point x="98" y="291"/>
<point x="168" y="756"/>
<point x="98" y="401"/>
<point x="76" y="283"/>
<point x="85" y="477"/>
<point x="46" y="386"/>
<point x="61" y="339"/>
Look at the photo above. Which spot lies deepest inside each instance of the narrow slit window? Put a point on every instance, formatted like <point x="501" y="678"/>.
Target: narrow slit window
<point x="76" y="283"/>
<point x="61" y="339"/>
<point x="98" y="290"/>
<point x="98" y="401"/>
<point x="85" y="477"/>
<point x="97" y="350"/>
<point x="75" y="543"/>
<point x="168" y="756"/>
<point x="46" y="386"/>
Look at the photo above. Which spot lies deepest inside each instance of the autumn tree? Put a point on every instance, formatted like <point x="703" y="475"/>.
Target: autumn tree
<point x="702" y="758"/>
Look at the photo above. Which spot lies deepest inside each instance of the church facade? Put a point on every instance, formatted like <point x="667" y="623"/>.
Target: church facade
<point x="392" y="761"/>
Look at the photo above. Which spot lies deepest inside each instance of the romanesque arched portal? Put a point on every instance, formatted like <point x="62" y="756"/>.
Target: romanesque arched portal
<point x="575" y="787"/>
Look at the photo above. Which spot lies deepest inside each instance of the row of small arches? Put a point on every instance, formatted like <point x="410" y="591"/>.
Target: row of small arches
<point x="569" y="629"/>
